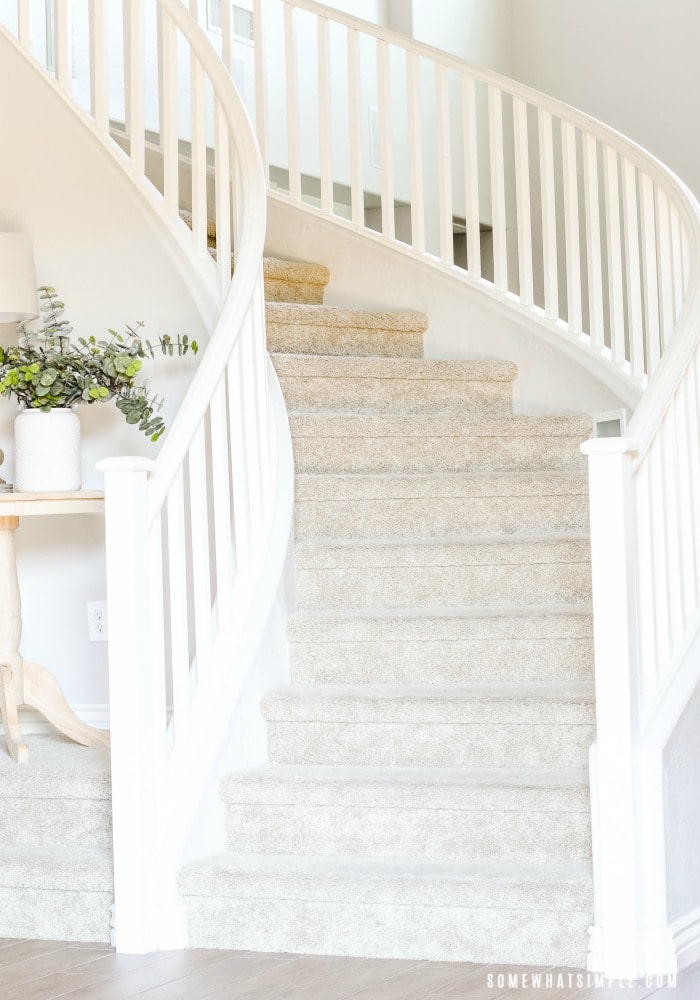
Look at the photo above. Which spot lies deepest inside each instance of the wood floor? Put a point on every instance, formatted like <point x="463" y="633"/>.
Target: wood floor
<point x="41" y="970"/>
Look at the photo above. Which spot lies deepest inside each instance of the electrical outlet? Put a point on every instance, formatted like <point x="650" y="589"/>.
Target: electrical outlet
<point x="97" y="621"/>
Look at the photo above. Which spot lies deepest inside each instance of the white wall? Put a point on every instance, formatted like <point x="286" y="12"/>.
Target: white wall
<point x="632" y="63"/>
<point x="476" y="30"/>
<point x="95" y="244"/>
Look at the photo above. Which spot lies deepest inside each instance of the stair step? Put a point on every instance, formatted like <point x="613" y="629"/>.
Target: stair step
<point x="530" y="725"/>
<point x="428" y="645"/>
<point x="310" y="329"/>
<point x="60" y="797"/>
<point x="369" y="443"/>
<point x="59" y="894"/>
<point x="349" y="505"/>
<point x="409" y="572"/>
<point x="285" y="280"/>
<point x="447" y="813"/>
<point x="478" y="912"/>
<point x="395" y="385"/>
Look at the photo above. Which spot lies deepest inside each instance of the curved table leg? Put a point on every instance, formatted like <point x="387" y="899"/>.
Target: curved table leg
<point x="42" y="691"/>
<point x="8" y="709"/>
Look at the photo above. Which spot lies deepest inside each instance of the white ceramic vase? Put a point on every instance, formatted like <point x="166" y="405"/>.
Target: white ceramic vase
<point x="47" y="451"/>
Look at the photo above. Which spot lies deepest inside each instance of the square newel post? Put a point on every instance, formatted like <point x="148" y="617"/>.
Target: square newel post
<point x="615" y="800"/>
<point x="137" y="706"/>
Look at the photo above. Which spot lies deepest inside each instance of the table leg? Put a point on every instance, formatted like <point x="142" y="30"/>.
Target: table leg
<point x="42" y="691"/>
<point x="8" y="709"/>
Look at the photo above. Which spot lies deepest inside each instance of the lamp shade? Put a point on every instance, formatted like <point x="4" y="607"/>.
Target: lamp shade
<point x="18" y="299"/>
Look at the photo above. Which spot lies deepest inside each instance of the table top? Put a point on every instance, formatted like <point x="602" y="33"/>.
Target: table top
<point x="76" y="502"/>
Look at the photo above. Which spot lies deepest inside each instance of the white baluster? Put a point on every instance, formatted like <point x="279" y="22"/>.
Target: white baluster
<point x="239" y="462"/>
<point x="260" y="85"/>
<point x="665" y="268"/>
<point x="594" y="256"/>
<point x="60" y="40"/>
<point x="650" y="275"/>
<point x="693" y="418"/>
<point x="614" y="249"/>
<point x="659" y="576"/>
<point x="386" y="153"/>
<point x="645" y="569"/>
<point x="677" y="253"/>
<point x="226" y="35"/>
<point x="357" y="196"/>
<point x="178" y="605"/>
<point x="198" y="155"/>
<point x="522" y="199"/>
<point x="687" y="521"/>
<point x="635" y="321"/>
<point x="498" y="189"/>
<point x="669" y="511"/>
<point x="571" y="228"/>
<point x="471" y="176"/>
<point x="443" y="155"/>
<point x="324" y="117"/>
<point x="290" y="61"/>
<point x="221" y="496"/>
<point x="415" y="152"/>
<point x="222" y="192"/>
<point x="24" y="23"/>
<point x="199" y="528"/>
<point x="549" y="217"/>
<point x="99" y="92"/>
<point x="169" y="119"/>
<point x="133" y="82"/>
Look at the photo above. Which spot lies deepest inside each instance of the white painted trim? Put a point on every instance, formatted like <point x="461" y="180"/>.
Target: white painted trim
<point x="33" y="723"/>
<point x="686" y="939"/>
<point x="661" y="717"/>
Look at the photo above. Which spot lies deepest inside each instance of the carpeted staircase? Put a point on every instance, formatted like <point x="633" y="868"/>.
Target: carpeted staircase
<point x="427" y="791"/>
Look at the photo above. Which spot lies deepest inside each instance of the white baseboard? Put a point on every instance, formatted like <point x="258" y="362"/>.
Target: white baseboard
<point x="33" y="722"/>
<point x="686" y="939"/>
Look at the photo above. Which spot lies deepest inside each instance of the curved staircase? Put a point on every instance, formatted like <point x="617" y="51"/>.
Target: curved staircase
<point x="427" y="790"/>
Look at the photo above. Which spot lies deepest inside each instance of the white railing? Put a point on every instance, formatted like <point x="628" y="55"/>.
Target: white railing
<point x="196" y="540"/>
<point x="538" y="204"/>
<point x="598" y="244"/>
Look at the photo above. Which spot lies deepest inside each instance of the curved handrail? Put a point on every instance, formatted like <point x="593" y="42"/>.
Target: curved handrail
<point x="564" y="192"/>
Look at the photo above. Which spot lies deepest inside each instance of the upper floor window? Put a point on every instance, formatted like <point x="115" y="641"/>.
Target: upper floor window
<point x="241" y="19"/>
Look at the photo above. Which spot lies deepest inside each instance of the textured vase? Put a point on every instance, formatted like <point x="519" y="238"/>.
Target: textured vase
<point x="47" y="451"/>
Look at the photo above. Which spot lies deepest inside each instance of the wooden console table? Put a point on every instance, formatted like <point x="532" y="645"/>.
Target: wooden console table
<point x="23" y="682"/>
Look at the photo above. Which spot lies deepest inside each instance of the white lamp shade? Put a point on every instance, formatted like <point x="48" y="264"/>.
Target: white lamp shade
<point x="18" y="300"/>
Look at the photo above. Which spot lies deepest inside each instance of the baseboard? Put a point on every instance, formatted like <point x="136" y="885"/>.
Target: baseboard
<point x="33" y="723"/>
<point x="686" y="939"/>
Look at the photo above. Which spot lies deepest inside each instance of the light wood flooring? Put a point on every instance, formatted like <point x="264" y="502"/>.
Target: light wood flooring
<point x="41" y="970"/>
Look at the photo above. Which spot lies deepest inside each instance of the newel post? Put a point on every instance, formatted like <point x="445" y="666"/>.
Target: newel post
<point x="614" y="945"/>
<point x="134" y="705"/>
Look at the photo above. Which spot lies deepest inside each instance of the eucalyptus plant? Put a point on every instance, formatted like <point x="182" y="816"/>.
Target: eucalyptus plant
<point x="47" y="370"/>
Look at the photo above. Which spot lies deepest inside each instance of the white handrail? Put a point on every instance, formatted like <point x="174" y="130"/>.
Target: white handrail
<point x="196" y="540"/>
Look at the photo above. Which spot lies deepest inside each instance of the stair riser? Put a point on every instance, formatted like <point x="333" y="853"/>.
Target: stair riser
<point x="441" y="661"/>
<point x="78" y="823"/>
<point x="394" y="395"/>
<point x="435" y="516"/>
<point x="443" y="586"/>
<point x="439" y="933"/>
<point x="436" y="454"/>
<point x="417" y="744"/>
<point x="447" y="834"/>
<point x="284" y="338"/>
<point x="55" y="915"/>
<point x="300" y="292"/>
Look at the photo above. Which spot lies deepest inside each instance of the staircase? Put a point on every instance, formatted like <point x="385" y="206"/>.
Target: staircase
<point x="427" y="790"/>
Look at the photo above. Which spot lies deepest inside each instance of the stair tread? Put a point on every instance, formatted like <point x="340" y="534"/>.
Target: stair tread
<point x="56" y="868"/>
<point x="57" y="768"/>
<point x="298" y="314"/>
<point x="455" y="614"/>
<point x="418" y="369"/>
<point x="369" y="774"/>
<point x="412" y="881"/>
<point x="568" y="690"/>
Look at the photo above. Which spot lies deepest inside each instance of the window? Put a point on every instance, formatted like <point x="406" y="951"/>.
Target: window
<point x="241" y="19"/>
